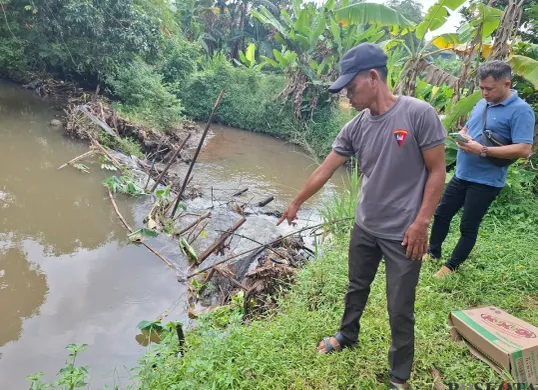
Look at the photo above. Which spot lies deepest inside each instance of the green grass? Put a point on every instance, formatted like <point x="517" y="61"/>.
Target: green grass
<point x="279" y="352"/>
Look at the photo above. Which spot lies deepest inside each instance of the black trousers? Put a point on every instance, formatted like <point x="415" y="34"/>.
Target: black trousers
<point x="475" y="199"/>
<point x="365" y="253"/>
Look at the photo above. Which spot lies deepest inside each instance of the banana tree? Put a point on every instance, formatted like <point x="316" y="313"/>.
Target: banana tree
<point x="312" y="43"/>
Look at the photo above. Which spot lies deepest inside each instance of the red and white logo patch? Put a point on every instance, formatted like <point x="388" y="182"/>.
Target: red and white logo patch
<point x="400" y="135"/>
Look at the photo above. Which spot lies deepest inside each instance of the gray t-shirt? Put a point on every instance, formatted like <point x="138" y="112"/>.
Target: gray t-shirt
<point x="389" y="150"/>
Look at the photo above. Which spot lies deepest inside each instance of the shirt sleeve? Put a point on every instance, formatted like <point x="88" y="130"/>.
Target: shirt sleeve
<point x="430" y="130"/>
<point x="522" y="126"/>
<point x="342" y="143"/>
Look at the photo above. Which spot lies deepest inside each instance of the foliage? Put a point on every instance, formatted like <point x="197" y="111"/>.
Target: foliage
<point x="69" y="378"/>
<point x="127" y="145"/>
<point x="144" y="95"/>
<point x="82" y="39"/>
<point x="125" y="184"/>
<point x="250" y="100"/>
<point x="314" y="39"/>
<point x="342" y="207"/>
<point x="279" y="350"/>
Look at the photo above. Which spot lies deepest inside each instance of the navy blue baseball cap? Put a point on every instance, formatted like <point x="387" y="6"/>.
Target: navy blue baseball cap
<point x="365" y="56"/>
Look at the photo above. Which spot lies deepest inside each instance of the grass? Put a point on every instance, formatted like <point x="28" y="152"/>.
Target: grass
<point x="279" y="351"/>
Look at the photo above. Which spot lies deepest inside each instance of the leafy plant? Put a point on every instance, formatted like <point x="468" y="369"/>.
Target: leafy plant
<point x="69" y="377"/>
<point x="82" y="168"/>
<point x="342" y="208"/>
<point x="140" y="234"/>
<point x="125" y="184"/>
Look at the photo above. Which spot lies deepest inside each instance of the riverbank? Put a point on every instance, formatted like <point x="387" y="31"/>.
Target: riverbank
<point x="279" y="350"/>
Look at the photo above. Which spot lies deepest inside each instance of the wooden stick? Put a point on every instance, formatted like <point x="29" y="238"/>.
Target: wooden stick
<point x="265" y="246"/>
<point x="240" y="192"/>
<point x="190" y="226"/>
<point x="153" y="163"/>
<point x="78" y="158"/>
<point x="131" y="230"/>
<point x="266" y="201"/>
<point x="170" y="163"/>
<point x="220" y="241"/>
<point x="200" y="232"/>
<point x="115" y="162"/>
<point x="186" y="180"/>
<point x="259" y="247"/>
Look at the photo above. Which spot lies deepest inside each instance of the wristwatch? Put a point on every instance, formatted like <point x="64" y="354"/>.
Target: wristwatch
<point x="484" y="152"/>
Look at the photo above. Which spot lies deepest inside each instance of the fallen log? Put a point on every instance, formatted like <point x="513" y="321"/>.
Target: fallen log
<point x="266" y="201"/>
<point x="217" y="245"/>
<point x="78" y="158"/>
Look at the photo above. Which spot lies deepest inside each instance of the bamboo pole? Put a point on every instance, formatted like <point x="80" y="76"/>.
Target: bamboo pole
<point x="186" y="180"/>
<point x="169" y="164"/>
<point x="78" y="158"/>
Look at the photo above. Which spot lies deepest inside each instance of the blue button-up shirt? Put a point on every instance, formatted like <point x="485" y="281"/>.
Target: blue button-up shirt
<point x="512" y="119"/>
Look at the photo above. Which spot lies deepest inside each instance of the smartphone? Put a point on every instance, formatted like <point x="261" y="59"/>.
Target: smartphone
<point x="458" y="137"/>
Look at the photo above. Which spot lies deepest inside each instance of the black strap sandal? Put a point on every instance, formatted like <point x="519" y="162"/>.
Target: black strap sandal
<point x="329" y="348"/>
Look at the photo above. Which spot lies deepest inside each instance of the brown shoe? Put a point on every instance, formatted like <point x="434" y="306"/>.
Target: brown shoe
<point x="444" y="271"/>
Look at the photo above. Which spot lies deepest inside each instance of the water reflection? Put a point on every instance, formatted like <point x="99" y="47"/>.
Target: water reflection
<point x="23" y="288"/>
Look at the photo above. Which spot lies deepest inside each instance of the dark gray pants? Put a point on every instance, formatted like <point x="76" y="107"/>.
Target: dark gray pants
<point x="365" y="253"/>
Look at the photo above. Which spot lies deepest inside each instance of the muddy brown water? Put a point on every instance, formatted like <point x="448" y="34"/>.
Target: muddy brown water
<point x="67" y="271"/>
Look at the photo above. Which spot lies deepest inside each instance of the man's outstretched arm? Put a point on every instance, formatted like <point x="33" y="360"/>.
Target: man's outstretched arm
<point x="314" y="183"/>
<point x="416" y="237"/>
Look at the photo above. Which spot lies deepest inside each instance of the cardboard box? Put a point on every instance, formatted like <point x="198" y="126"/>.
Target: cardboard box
<point x="503" y="341"/>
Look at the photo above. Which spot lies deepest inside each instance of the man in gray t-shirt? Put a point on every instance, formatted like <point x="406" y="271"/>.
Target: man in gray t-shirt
<point x="399" y="143"/>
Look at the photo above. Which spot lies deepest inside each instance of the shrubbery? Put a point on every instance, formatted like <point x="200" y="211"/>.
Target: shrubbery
<point x="145" y="97"/>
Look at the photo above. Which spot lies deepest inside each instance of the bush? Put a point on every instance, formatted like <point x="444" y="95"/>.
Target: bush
<point x="250" y="100"/>
<point x="145" y="98"/>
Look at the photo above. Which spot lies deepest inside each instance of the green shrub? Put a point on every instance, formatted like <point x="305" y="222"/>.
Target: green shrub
<point x="250" y="101"/>
<point x="144" y="97"/>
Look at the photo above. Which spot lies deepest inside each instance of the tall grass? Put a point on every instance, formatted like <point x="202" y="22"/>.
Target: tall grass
<point x="341" y="207"/>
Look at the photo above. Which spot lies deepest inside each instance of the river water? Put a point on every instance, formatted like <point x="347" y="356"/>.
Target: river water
<point x="68" y="273"/>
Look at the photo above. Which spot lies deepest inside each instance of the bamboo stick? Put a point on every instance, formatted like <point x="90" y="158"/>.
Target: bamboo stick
<point x="78" y="158"/>
<point x="186" y="180"/>
<point x="131" y="230"/>
<point x="176" y="153"/>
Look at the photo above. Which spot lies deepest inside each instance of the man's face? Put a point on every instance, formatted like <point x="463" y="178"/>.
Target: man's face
<point x="494" y="91"/>
<point x="361" y="91"/>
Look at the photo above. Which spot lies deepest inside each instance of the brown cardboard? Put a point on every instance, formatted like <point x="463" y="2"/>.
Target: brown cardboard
<point x="506" y="343"/>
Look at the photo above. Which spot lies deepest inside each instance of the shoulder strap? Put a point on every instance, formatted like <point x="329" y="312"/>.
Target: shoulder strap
<point x="484" y="117"/>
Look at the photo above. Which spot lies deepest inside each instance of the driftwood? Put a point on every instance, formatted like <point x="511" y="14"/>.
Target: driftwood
<point x="176" y="153"/>
<point x="218" y="244"/>
<point x="238" y="192"/>
<point x="202" y="139"/>
<point x="201" y="271"/>
<point x="131" y="230"/>
<point x="266" y="201"/>
<point x="78" y="158"/>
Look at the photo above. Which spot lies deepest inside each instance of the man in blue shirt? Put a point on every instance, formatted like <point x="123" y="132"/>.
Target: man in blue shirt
<point x="478" y="181"/>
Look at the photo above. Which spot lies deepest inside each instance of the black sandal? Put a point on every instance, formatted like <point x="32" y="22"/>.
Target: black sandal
<point x="329" y="348"/>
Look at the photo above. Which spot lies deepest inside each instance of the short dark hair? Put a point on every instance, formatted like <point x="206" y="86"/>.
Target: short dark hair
<point x="499" y="70"/>
<point x="383" y="72"/>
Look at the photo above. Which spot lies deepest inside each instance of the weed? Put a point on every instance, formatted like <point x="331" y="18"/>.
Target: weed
<point x="125" y="184"/>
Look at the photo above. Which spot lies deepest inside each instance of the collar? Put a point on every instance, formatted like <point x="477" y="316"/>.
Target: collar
<point x="507" y="101"/>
